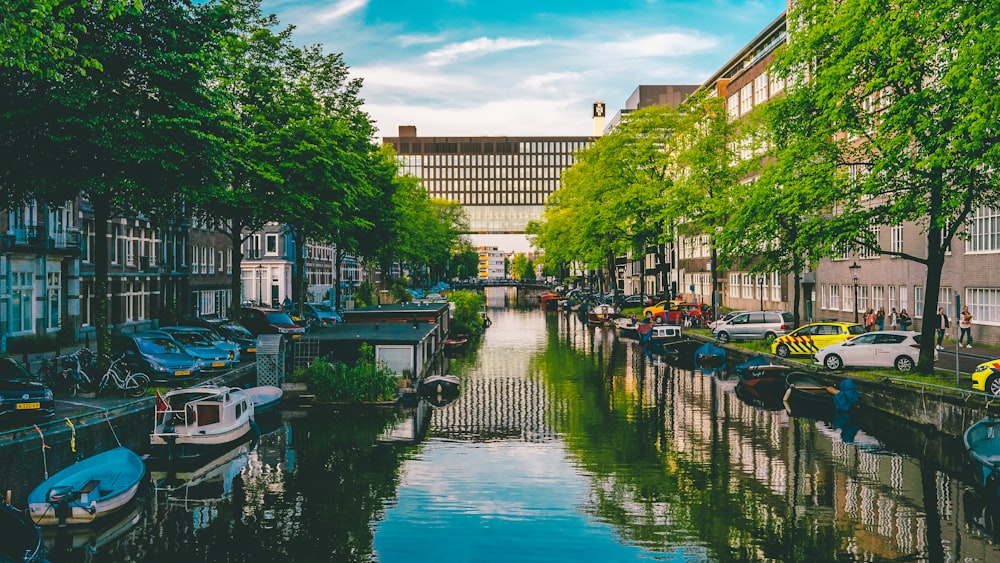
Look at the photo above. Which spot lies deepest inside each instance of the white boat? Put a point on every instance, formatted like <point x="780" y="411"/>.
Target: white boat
<point x="665" y="333"/>
<point x="187" y="420"/>
<point x="265" y="397"/>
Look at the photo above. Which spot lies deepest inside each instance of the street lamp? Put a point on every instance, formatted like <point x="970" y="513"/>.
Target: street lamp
<point x="760" y="288"/>
<point x="260" y="285"/>
<point x="854" y="275"/>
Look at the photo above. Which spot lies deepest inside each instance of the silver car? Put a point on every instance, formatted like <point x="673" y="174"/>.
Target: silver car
<point x="755" y="325"/>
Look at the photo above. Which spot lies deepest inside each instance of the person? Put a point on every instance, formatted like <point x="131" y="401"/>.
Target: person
<point x="942" y="327"/>
<point x="870" y="320"/>
<point x="286" y="305"/>
<point x="904" y="320"/>
<point x="893" y="319"/>
<point x="965" y="326"/>
<point x="880" y="318"/>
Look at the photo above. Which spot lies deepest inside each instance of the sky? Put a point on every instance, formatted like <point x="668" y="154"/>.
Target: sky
<point x="519" y="67"/>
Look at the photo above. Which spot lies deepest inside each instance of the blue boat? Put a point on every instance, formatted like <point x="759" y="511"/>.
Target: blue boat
<point x="709" y="357"/>
<point x="87" y="490"/>
<point x="982" y="443"/>
<point x="20" y="538"/>
<point x="265" y="398"/>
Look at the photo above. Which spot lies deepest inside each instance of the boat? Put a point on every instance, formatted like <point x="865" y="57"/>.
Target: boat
<point x="678" y="353"/>
<point x="455" y="345"/>
<point x="709" y="357"/>
<point x="628" y="327"/>
<point x="439" y="385"/>
<point x="80" y="543"/>
<point x="602" y="313"/>
<point x="810" y="396"/>
<point x="660" y="334"/>
<point x="20" y="539"/>
<point x="207" y="483"/>
<point x="549" y="300"/>
<point x="982" y="444"/>
<point x="768" y="396"/>
<point x="188" y="421"/>
<point x="758" y="370"/>
<point x="265" y="398"/>
<point x="88" y="490"/>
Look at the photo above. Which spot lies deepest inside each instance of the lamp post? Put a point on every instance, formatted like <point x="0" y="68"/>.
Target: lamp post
<point x="260" y="285"/>
<point x="854" y="276"/>
<point x="760" y="289"/>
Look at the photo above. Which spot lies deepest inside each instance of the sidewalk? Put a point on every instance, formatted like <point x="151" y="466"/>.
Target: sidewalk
<point x="977" y="350"/>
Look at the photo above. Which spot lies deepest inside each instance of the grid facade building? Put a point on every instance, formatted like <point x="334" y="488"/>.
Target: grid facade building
<point x="501" y="182"/>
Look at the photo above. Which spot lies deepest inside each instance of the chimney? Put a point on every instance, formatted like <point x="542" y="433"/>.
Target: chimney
<point x="407" y="130"/>
<point x="599" y="112"/>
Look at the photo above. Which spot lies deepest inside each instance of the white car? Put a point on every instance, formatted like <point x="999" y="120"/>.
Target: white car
<point x="898" y="349"/>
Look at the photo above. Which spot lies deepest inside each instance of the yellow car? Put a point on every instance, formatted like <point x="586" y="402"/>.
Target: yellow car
<point x="986" y="378"/>
<point x="807" y="340"/>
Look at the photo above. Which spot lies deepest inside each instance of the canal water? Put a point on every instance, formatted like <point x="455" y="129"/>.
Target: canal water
<point x="567" y="443"/>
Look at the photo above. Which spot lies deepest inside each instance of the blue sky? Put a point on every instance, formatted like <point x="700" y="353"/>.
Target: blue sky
<point x="514" y="67"/>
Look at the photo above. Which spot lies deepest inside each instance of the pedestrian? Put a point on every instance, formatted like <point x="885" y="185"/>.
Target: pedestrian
<point x="893" y="319"/>
<point x="965" y="326"/>
<point x="904" y="320"/>
<point x="880" y="318"/>
<point x="942" y="327"/>
<point x="870" y="320"/>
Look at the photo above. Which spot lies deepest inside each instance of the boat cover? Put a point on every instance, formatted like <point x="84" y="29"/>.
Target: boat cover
<point x="847" y="396"/>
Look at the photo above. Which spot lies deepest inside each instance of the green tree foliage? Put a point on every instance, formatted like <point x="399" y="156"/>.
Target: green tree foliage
<point x="467" y="317"/>
<point x="912" y="89"/>
<point x="522" y="267"/>
<point x="367" y="381"/>
<point x="464" y="262"/>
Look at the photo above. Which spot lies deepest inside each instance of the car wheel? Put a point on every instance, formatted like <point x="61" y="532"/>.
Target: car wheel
<point x="993" y="385"/>
<point x="770" y="336"/>
<point x="833" y="362"/>
<point x="783" y="351"/>
<point x="723" y="337"/>
<point x="904" y="363"/>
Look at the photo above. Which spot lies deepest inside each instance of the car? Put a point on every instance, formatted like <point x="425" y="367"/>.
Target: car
<point x="807" y="340"/>
<point x="214" y="360"/>
<point x="158" y="356"/>
<point x="986" y="377"/>
<point x="725" y="319"/>
<point x="318" y="314"/>
<point x="657" y="309"/>
<point x="260" y="321"/>
<point x="22" y="399"/>
<point x="205" y="335"/>
<point x="898" y="349"/>
<point x="755" y="325"/>
<point x="637" y="300"/>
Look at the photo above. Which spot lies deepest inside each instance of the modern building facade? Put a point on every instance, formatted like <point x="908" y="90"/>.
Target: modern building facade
<point x="492" y="263"/>
<point x="501" y="182"/>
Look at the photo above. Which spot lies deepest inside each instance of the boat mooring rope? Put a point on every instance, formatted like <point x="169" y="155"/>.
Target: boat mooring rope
<point x="112" y="426"/>
<point x="72" y="438"/>
<point x="45" y="463"/>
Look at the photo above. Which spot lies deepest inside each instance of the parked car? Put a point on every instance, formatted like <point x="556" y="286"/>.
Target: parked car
<point x="637" y="300"/>
<point x="156" y="355"/>
<point x="755" y="325"/>
<point x="898" y="349"/>
<point x="657" y="309"/>
<point x="227" y="330"/>
<point x="808" y="339"/>
<point x="214" y="360"/>
<point x="201" y="336"/>
<point x="725" y="319"/>
<point x="22" y="399"/>
<point x="986" y="377"/>
<point x="270" y="321"/>
<point x="318" y="314"/>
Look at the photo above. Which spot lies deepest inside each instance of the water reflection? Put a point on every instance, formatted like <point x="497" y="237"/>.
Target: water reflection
<point x="568" y="443"/>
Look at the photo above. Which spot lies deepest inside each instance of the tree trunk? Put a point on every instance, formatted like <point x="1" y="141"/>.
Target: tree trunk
<point x="928" y="329"/>
<point x="236" y="278"/>
<point x="102" y="327"/>
<point x="338" y="264"/>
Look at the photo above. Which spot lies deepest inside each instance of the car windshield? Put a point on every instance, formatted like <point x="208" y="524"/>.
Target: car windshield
<point x="157" y="345"/>
<point x="191" y="338"/>
<point x="278" y="318"/>
<point x="9" y="369"/>
<point x="236" y="331"/>
<point x="856" y="329"/>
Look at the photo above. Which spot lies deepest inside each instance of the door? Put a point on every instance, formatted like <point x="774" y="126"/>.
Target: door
<point x="860" y="351"/>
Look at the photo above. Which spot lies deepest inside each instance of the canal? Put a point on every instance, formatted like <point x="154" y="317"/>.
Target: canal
<point x="566" y="443"/>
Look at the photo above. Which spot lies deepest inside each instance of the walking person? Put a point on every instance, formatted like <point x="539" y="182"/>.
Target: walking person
<point x="893" y="319"/>
<point x="904" y="320"/>
<point x="942" y="327"/>
<point x="965" y="326"/>
<point x="880" y="318"/>
<point x="870" y="320"/>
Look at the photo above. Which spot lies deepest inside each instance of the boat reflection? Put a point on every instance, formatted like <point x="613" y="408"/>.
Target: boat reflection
<point x="82" y="543"/>
<point x="206" y="484"/>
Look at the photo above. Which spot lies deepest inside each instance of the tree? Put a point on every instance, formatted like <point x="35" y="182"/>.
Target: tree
<point x="137" y="137"/>
<point x="912" y="89"/>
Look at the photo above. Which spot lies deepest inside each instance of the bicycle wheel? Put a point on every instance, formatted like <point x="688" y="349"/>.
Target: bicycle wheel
<point x="136" y="385"/>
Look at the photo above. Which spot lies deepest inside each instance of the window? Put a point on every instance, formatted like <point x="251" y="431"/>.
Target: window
<point x="946" y="299"/>
<point x="834" y="297"/>
<point x="984" y="304"/>
<point x="984" y="230"/>
<point x="896" y="238"/>
<point x="271" y="244"/>
<point x="822" y="297"/>
<point x="863" y="304"/>
<point x="918" y="302"/>
<point x="848" y="292"/>
<point x="760" y="89"/>
<point x="777" y="84"/>
<point x="54" y="288"/>
<point x="746" y="98"/>
<point x="21" y="312"/>
<point x="878" y="297"/>
<point x="892" y="298"/>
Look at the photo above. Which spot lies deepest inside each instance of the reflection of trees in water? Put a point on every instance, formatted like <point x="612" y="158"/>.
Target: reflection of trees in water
<point x="317" y="504"/>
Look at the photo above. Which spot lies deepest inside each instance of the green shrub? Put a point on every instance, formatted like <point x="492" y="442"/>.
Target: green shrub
<point x="468" y="308"/>
<point x="364" y="382"/>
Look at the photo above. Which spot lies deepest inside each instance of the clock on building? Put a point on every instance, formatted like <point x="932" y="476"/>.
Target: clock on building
<point x="598" y="109"/>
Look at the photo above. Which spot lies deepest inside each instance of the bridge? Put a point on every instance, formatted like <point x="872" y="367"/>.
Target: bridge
<point x="500" y="282"/>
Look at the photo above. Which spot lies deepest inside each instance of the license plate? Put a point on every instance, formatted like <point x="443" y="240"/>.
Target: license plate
<point x="182" y="372"/>
<point x="26" y="406"/>
<point x="251" y="350"/>
<point x="296" y="335"/>
<point x="218" y="364"/>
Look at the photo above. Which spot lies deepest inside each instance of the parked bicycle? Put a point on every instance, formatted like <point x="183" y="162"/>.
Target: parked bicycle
<point x="130" y="384"/>
<point x="73" y="378"/>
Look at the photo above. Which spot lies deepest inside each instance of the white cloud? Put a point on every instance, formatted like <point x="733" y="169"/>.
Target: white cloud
<point x="476" y="47"/>
<point x="339" y="10"/>
<point x="550" y="82"/>
<point x="411" y="39"/>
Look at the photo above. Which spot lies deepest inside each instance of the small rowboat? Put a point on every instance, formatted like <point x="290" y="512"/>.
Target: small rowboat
<point x="810" y="396"/>
<point x="982" y="444"/>
<point x="87" y="490"/>
<point x="455" y="345"/>
<point x="439" y="385"/>
<point x="265" y="398"/>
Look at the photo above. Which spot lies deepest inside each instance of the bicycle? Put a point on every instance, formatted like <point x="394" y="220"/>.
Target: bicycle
<point x="72" y="376"/>
<point x="130" y="384"/>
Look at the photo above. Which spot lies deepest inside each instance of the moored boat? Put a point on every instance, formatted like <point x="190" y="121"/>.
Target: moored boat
<point x="758" y="370"/>
<point x="628" y="327"/>
<point x="439" y="385"/>
<point x="982" y="444"/>
<point x="709" y="357"/>
<point x="549" y="300"/>
<point x="454" y="345"/>
<point x="265" y="398"/>
<point x="678" y="353"/>
<point x="187" y="421"/>
<point x="20" y="538"/>
<point x="810" y="396"/>
<point x="91" y="488"/>
<point x="602" y="313"/>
